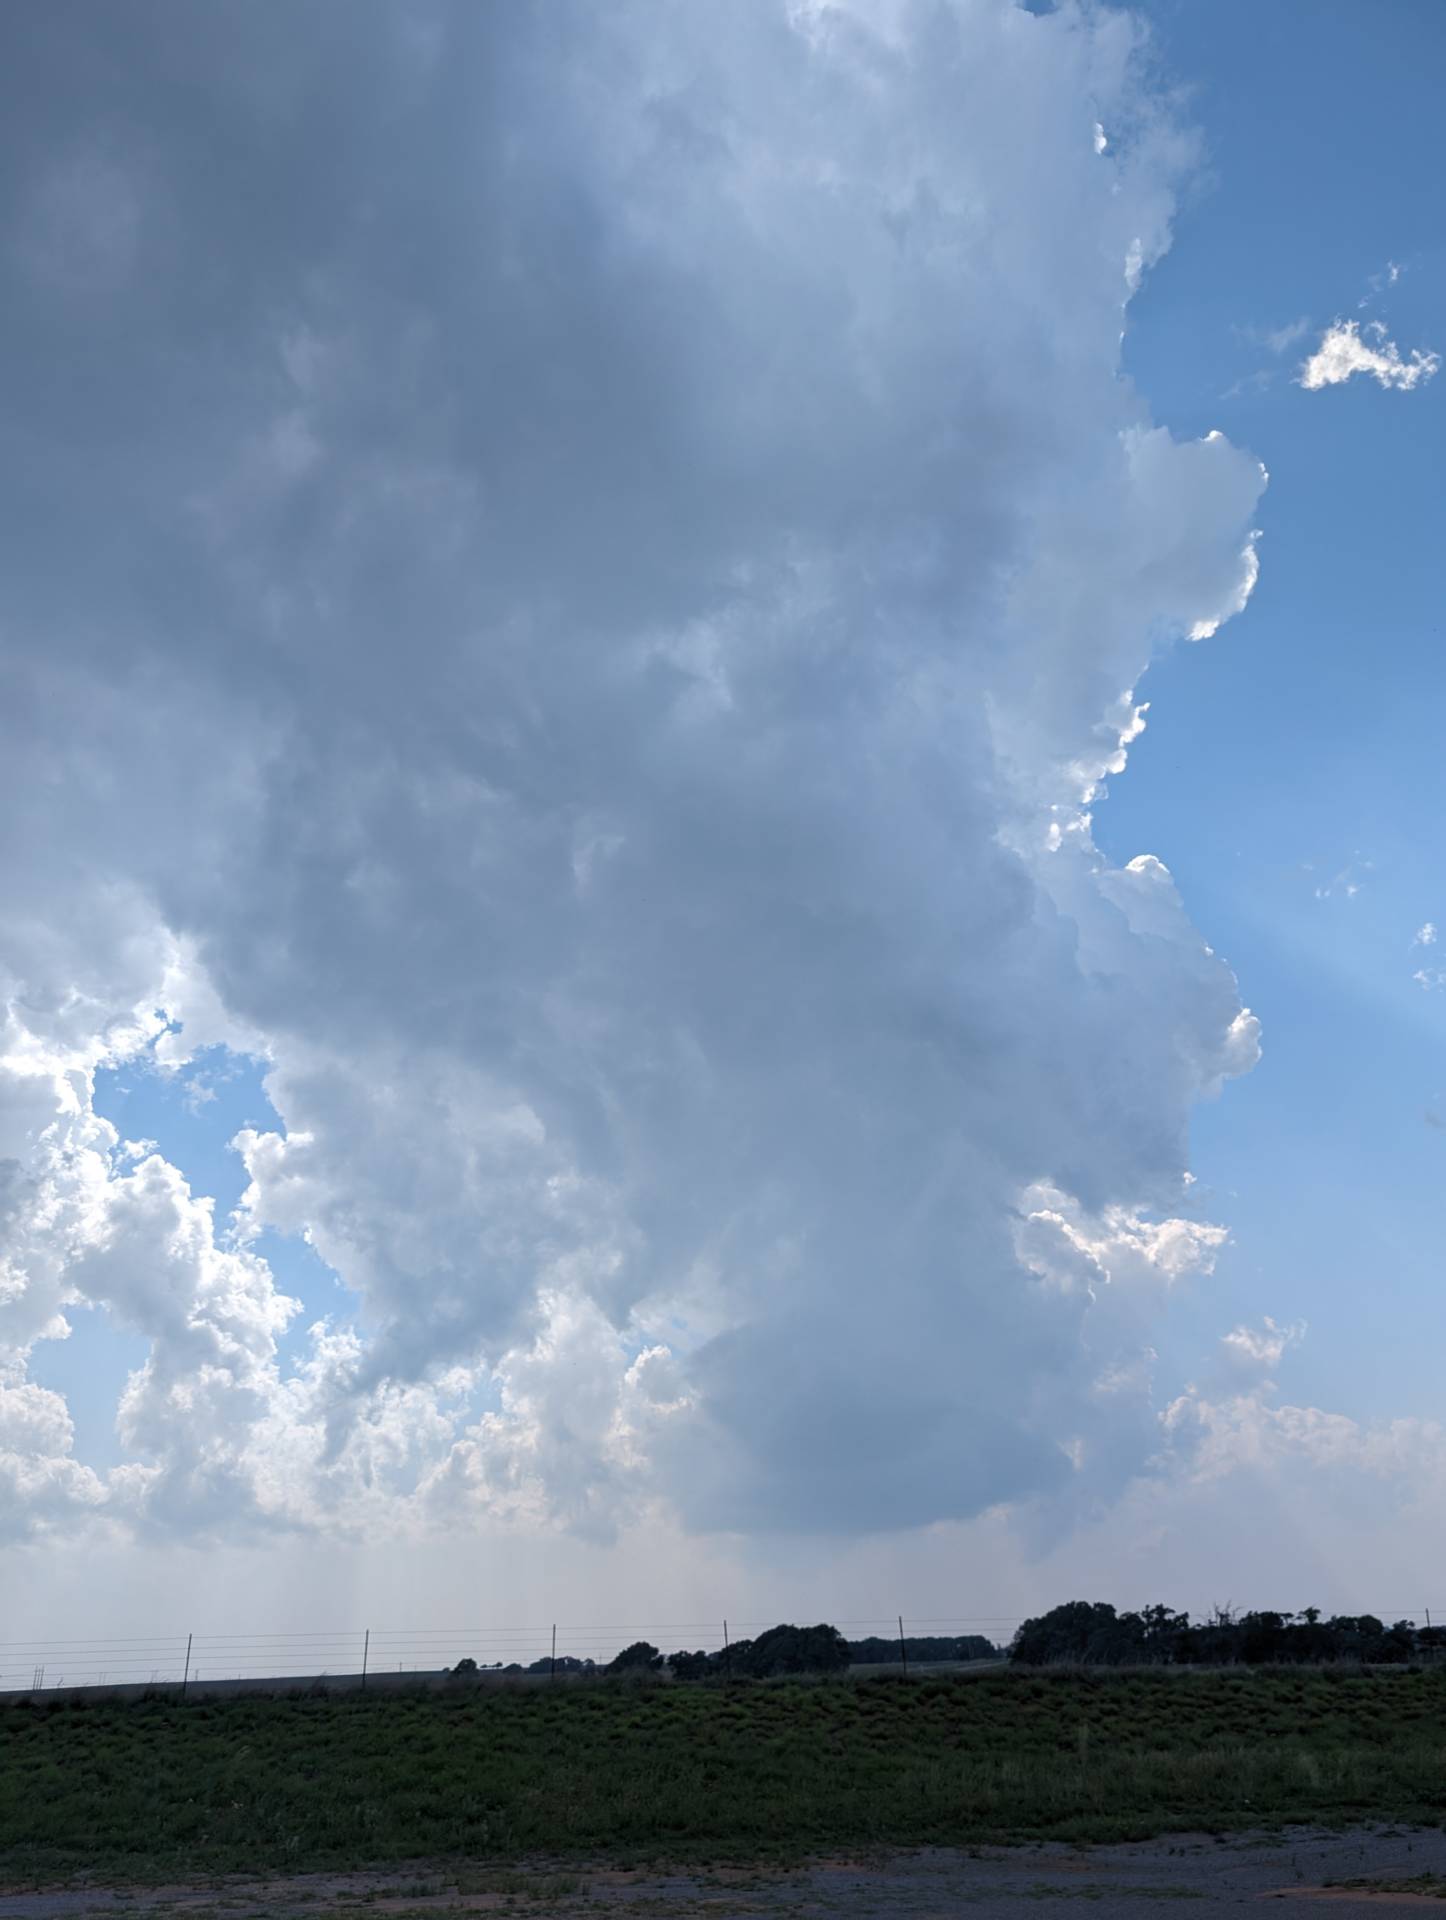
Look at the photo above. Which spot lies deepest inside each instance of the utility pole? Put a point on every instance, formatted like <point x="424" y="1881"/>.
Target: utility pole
<point x="186" y="1676"/>
<point x="903" y="1650"/>
<point x="552" y="1670"/>
<point x="366" y="1649"/>
<point x="727" y="1654"/>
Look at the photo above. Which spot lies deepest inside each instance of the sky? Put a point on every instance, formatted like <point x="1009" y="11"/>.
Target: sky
<point x="720" y="749"/>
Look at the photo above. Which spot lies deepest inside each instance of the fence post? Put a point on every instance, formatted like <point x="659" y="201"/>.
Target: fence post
<point x="366" y="1649"/>
<point x="186" y="1676"/>
<point x="727" y="1654"/>
<point x="903" y="1650"/>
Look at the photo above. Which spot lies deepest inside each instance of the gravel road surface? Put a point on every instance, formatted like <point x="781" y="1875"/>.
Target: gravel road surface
<point x="1307" y="1873"/>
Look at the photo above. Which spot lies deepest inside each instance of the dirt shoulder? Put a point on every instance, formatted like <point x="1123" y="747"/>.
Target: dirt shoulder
<point x="1305" y="1872"/>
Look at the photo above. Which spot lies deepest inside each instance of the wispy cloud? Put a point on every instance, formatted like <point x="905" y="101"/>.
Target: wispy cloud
<point x="1343" y="885"/>
<point x="1273" y="340"/>
<point x="1343" y="352"/>
<point x="1276" y="339"/>
<point x="1280" y="338"/>
<point x="1255" y="382"/>
<point x="1425" y="936"/>
<point x="1387" y="277"/>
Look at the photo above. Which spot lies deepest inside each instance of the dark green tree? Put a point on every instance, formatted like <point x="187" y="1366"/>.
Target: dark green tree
<point x="640" y="1657"/>
<point x="1084" y="1630"/>
<point x="790" y="1649"/>
<point x="692" y="1666"/>
<point x="883" y="1650"/>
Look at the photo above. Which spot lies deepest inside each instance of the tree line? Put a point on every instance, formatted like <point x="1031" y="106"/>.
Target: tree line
<point x="1082" y="1632"/>
<point x="880" y="1651"/>
<point x="780" y="1650"/>
<point x="1094" y="1634"/>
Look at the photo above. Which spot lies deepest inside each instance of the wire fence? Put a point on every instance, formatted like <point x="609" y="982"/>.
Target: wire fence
<point x="358" y="1655"/>
<point x="191" y="1658"/>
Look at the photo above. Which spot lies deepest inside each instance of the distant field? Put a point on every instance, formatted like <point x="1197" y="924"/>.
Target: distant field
<point x="654" y="1771"/>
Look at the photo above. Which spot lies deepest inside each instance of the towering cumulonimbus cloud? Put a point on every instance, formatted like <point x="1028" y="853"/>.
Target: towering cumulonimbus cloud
<point x="572" y="576"/>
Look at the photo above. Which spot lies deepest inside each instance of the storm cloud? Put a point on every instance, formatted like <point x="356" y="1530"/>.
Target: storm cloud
<point x="571" y="578"/>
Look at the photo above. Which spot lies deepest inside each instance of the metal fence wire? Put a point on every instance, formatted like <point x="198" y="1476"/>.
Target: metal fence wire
<point x="351" y="1654"/>
<point x="373" y="1655"/>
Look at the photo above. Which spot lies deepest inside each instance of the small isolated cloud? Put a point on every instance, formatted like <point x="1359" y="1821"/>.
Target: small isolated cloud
<point x="1427" y="978"/>
<point x="1259" y="1349"/>
<point x="1342" y="352"/>
<point x="1346" y="884"/>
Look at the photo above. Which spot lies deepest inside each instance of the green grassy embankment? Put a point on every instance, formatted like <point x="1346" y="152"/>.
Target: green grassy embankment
<point x="159" y="1788"/>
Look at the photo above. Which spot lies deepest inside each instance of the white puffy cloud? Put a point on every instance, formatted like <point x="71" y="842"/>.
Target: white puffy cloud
<point x="1425" y="935"/>
<point x="1343" y="352"/>
<point x="574" y="1432"/>
<point x="1248" y="1433"/>
<point x="587" y="640"/>
<point x="41" y="1483"/>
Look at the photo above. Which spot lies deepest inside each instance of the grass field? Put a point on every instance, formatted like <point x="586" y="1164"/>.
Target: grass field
<point x="655" y="1771"/>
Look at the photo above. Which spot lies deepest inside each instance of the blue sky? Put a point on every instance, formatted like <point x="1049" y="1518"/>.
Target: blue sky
<point x="1304" y="742"/>
<point x="193" y="1115"/>
<point x="569" y="763"/>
